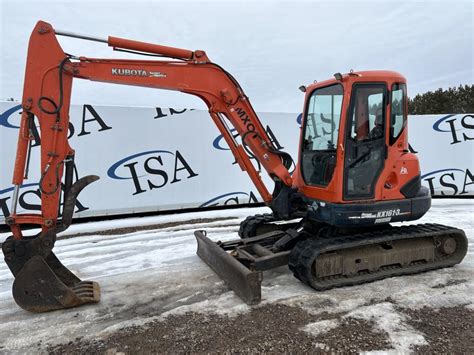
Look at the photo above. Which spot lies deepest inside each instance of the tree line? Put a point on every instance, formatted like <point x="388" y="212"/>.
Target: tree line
<point x="452" y="100"/>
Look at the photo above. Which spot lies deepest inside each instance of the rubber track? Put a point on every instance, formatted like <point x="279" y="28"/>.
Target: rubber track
<point x="306" y="251"/>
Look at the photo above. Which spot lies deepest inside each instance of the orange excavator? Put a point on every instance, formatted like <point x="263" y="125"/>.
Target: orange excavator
<point x="330" y="220"/>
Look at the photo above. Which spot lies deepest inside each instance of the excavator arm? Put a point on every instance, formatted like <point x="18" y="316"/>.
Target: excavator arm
<point x="46" y="98"/>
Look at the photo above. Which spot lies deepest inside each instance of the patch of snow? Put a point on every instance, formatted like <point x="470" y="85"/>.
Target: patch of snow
<point x="320" y="327"/>
<point x="386" y="318"/>
<point x="90" y="227"/>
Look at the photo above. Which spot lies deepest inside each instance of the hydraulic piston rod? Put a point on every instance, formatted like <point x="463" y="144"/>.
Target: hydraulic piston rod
<point x="123" y="43"/>
<point x="80" y="36"/>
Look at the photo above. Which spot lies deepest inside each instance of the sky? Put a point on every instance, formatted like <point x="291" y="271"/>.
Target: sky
<point x="271" y="47"/>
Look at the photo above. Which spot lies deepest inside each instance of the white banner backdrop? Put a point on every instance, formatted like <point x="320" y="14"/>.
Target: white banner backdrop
<point x="155" y="159"/>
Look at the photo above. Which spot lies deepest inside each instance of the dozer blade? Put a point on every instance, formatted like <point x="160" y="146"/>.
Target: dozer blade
<point x="43" y="286"/>
<point x="245" y="283"/>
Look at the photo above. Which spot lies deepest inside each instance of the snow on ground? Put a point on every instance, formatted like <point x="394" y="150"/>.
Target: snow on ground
<point x="149" y="274"/>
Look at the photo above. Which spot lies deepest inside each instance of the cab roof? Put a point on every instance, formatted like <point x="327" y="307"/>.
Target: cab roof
<point x="361" y="76"/>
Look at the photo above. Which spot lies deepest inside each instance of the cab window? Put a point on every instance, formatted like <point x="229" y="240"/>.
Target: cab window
<point x="321" y="129"/>
<point x="368" y="113"/>
<point x="322" y="118"/>
<point x="398" y="111"/>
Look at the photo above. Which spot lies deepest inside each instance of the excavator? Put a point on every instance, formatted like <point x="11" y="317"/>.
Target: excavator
<point x="332" y="216"/>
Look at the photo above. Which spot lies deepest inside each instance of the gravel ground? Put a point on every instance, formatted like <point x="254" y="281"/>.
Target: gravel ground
<point x="278" y="328"/>
<point x="447" y="330"/>
<point x="271" y="328"/>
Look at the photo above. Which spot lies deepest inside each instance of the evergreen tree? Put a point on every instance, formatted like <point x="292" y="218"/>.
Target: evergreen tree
<point x="452" y="100"/>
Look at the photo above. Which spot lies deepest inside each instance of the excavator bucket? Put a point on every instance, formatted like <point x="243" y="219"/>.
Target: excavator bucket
<point x="42" y="283"/>
<point x="47" y="285"/>
<point x="244" y="282"/>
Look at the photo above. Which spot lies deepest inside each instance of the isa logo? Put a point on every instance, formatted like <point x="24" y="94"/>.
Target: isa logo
<point x="299" y="119"/>
<point x="219" y="143"/>
<point x="460" y="127"/>
<point x="153" y="169"/>
<point x="231" y="198"/>
<point x="29" y="199"/>
<point x="90" y="120"/>
<point x="167" y="112"/>
<point x="10" y="118"/>
<point x="446" y="182"/>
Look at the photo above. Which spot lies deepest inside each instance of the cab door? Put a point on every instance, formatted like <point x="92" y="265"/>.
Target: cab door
<point x="365" y="148"/>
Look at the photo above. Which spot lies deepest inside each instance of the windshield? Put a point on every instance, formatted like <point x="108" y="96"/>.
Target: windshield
<point x="321" y="130"/>
<point x="322" y="118"/>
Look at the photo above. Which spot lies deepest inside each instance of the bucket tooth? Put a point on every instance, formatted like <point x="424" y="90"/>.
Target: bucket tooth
<point x="244" y="282"/>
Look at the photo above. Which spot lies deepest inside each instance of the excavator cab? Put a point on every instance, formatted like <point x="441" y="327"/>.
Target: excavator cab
<point x="354" y="153"/>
